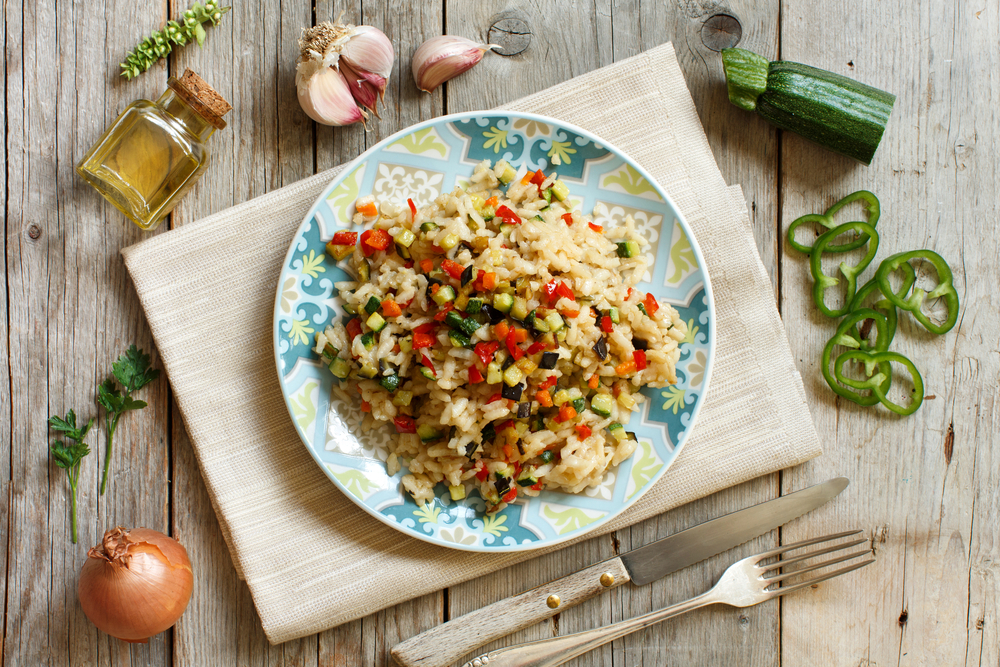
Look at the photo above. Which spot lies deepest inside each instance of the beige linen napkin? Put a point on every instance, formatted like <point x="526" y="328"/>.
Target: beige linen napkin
<point x="219" y="275"/>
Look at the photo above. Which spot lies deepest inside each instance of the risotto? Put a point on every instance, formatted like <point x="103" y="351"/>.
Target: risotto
<point x="499" y="331"/>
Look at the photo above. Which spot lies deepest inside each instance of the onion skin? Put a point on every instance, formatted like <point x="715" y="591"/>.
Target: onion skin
<point x="135" y="584"/>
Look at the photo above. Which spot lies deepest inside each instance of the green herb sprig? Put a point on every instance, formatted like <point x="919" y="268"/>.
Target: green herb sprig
<point x="69" y="454"/>
<point x="159" y="44"/>
<point x="133" y="371"/>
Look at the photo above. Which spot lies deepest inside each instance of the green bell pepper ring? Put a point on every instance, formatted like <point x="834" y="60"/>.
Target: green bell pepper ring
<point x="883" y="305"/>
<point x="846" y="336"/>
<point x="879" y="383"/>
<point x="826" y="219"/>
<point x="913" y="303"/>
<point x="823" y="282"/>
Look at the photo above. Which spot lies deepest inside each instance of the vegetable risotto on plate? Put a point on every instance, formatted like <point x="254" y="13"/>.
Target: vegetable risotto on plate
<point x="499" y="332"/>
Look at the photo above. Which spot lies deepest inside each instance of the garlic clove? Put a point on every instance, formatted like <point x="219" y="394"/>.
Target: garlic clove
<point x="365" y="94"/>
<point x="442" y="58"/>
<point x="326" y="97"/>
<point x="369" y="50"/>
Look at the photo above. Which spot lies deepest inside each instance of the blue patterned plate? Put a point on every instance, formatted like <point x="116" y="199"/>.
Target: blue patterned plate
<point x="420" y="163"/>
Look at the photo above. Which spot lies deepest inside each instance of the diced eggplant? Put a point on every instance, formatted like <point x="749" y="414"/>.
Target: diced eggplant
<point x="601" y="348"/>
<point x="467" y="275"/>
<point x="640" y="344"/>
<point x="507" y="363"/>
<point x="489" y="432"/>
<point x="523" y="410"/>
<point x="496" y="316"/>
<point x="549" y="360"/>
<point x="512" y="392"/>
<point x="471" y="448"/>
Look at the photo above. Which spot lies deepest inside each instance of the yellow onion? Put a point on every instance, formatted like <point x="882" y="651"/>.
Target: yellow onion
<point x="136" y="583"/>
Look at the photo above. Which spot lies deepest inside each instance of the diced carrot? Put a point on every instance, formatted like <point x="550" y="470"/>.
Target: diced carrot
<point x="572" y="314"/>
<point x="489" y="281"/>
<point x="391" y="309"/>
<point x="616" y="390"/>
<point x="427" y="265"/>
<point x="566" y="412"/>
<point x="626" y="368"/>
<point x="492" y="201"/>
<point x="527" y="178"/>
<point x="366" y="406"/>
<point x="501" y="330"/>
<point x="368" y="209"/>
<point x="544" y="398"/>
<point x="594" y="381"/>
<point x="520" y="335"/>
<point x="508" y="450"/>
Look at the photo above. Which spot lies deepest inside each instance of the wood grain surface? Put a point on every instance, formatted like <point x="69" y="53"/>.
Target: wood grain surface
<point x="925" y="487"/>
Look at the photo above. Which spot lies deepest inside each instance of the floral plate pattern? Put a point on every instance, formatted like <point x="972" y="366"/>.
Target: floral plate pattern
<point x="422" y="162"/>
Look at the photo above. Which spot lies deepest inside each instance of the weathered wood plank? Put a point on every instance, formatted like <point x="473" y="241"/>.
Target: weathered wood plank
<point x="925" y="485"/>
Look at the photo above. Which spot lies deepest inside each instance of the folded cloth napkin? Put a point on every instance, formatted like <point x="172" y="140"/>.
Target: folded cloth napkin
<point x="219" y="275"/>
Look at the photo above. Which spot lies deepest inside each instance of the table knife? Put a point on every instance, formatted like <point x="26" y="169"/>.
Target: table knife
<point x="446" y="643"/>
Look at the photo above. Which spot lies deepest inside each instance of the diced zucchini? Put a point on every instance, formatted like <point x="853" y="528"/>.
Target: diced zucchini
<point x="527" y="476"/>
<point x="494" y="375"/>
<point x="539" y="218"/>
<point x="519" y="309"/>
<point x="428" y="227"/>
<point x="403" y="251"/>
<point x="602" y="404"/>
<point x="350" y="309"/>
<point x="428" y="373"/>
<point x="459" y="339"/>
<point x="503" y="302"/>
<point x="364" y="271"/>
<point x="555" y="321"/>
<point x="513" y="376"/>
<point x="642" y="309"/>
<point x="548" y="195"/>
<point x="527" y="366"/>
<point x="470" y="326"/>
<point x="626" y="400"/>
<point x="505" y="288"/>
<point x="428" y="433"/>
<point x="340" y="368"/>
<point x="613" y="314"/>
<point x="453" y="319"/>
<point x="406" y="344"/>
<point x="561" y="335"/>
<point x="559" y="190"/>
<point x="389" y="382"/>
<point x="618" y="432"/>
<point x="402" y="398"/>
<point x="368" y="339"/>
<point x="578" y="404"/>
<point x="461" y="301"/>
<point x="372" y="305"/>
<point x="474" y="306"/>
<point x="368" y="370"/>
<point x="560" y="397"/>
<point x="444" y="294"/>
<point x="547" y="455"/>
<point x="376" y="322"/>
<point x="627" y="249"/>
<point x="405" y="238"/>
<point x="457" y="492"/>
<point x="506" y="229"/>
<point x="507" y="172"/>
<point x="339" y="252"/>
<point x="488" y="213"/>
<point x="450" y="241"/>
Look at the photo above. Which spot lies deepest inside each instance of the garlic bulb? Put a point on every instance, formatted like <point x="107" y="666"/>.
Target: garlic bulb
<point x="444" y="57"/>
<point x="342" y="71"/>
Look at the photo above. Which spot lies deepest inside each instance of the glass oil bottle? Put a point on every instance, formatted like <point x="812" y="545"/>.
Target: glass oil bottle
<point x="155" y="151"/>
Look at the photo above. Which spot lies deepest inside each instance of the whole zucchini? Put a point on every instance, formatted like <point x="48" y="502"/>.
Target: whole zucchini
<point x="837" y="113"/>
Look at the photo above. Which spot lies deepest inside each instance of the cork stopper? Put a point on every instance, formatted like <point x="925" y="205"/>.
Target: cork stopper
<point x="209" y="104"/>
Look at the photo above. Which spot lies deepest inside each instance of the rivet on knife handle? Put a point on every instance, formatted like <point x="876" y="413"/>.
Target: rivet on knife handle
<point x="445" y="644"/>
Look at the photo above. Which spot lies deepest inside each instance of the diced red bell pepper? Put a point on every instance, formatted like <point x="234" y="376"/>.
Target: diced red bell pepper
<point x="406" y="304"/>
<point x="583" y="431"/>
<point x="365" y="248"/>
<point x="568" y="219"/>
<point x="596" y="228"/>
<point x="345" y="238"/>
<point x="536" y="347"/>
<point x="505" y="425"/>
<point x="495" y="397"/>
<point x="508" y="216"/>
<point x="391" y="309"/>
<point x="566" y="412"/>
<point x="354" y="328"/>
<point x="408" y="264"/>
<point x="413" y="207"/>
<point x="366" y="406"/>
<point x="563" y="290"/>
<point x="550" y="292"/>
<point x="421" y="341"/>
<point x="651" y="305"/>
<point x="443" y="313"/>
<point x="639" y="356"/>
<point x="482" y="473"/>
<point x="510" y="496"/>
<point x="380" y="239"/>
<point x="486" y="351"/>
<point x="629" y="295"/>
<point x="453" y="269"/>
<point x="549" y="382"/>
<point x="426" y="328"/>
<point x="607" y="326"/>
<point x="512" y="347"/>
<point x="475" y="377"/>
<point x="537" y="486"/>
<point x="405" y="424"/>
<point x="427" y="363"/>
<point x="538" y="178"/>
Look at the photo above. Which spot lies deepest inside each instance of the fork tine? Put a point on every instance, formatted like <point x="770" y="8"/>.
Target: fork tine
<point x="802" y="570"/>
<point x="784" y="590"/>
<point x="804" y="543"/>
<point x="811" y="554"/>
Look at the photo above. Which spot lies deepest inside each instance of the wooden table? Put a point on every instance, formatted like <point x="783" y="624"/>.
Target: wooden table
<point x="925" y="487"/>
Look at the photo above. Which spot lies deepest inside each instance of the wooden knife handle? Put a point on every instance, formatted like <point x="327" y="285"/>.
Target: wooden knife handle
<point x="446" y="643"/>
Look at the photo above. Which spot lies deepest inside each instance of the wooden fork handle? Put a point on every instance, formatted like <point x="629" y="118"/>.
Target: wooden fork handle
<point x="446" y="643"/>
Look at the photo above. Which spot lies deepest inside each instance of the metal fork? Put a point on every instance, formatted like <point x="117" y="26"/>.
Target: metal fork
<point x="743" y="584"/>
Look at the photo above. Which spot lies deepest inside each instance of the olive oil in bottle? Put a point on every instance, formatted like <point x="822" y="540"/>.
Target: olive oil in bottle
<point x="154" y="152"/>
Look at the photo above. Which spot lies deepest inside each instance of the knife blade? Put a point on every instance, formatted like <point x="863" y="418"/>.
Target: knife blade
<point x="446" y="643"/>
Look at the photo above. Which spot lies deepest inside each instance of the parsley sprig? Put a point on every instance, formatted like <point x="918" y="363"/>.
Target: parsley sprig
<point x="68" y="454"/>
<point x="133" y="371"/>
